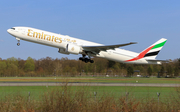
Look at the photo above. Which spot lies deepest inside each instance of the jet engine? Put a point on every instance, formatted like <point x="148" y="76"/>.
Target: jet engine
<point x="73" y="49"/>
<point x="63" y="51"/>
<point x="70" y="48"/>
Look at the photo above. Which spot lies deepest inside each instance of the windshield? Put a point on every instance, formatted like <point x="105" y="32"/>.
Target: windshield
<point x="13" y="28"/>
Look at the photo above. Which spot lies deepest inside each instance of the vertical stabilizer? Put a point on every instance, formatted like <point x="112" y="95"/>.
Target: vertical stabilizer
<point x="151" y="52"/>
<point x="154" y="49"/>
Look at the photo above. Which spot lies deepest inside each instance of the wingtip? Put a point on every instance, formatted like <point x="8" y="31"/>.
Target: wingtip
<point x="133" y="42"/>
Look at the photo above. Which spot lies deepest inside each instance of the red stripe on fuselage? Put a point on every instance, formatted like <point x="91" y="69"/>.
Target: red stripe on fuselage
<point x="142" y="54"/>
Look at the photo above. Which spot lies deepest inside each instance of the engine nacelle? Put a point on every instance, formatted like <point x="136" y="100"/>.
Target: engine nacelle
<point x="73" y="49"/>
<point x="63" y="51"/>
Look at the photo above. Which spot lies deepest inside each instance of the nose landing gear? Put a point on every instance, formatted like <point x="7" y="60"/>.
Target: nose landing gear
<point x="18" y="44"/>
<point x="18" y="41"/>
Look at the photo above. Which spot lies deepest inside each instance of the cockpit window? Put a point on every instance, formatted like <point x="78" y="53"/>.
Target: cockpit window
<point x="13" y="28"/>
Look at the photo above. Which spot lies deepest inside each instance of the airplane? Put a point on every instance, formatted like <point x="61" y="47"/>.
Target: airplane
<point x="69" y="45"/>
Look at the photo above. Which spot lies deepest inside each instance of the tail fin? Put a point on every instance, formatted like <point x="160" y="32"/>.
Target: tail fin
<point x="152" y="51"/>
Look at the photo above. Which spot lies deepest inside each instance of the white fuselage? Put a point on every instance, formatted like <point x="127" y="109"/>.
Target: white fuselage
<point x="61" y="41"/>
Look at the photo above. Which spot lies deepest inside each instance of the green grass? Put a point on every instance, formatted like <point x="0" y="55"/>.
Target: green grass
<point x="81" y="99"/>
<point x="51" y="98"/>
<point x="137" y="92"/>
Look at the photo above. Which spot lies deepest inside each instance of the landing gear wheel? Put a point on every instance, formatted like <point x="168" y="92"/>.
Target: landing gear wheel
<point x="18" y="41"/>
<point x="91" y="61"/>
<point x="86" y="60"/>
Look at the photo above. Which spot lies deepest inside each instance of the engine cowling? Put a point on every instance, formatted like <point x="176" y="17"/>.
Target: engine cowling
<point x="73" y="49"/>
<point x="63" y="51"/>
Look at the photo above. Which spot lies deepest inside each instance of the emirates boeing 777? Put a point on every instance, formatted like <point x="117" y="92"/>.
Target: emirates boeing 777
<point x="69" y="45"/>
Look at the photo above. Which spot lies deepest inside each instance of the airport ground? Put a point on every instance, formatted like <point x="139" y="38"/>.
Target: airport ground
<point x="99" y="93"/>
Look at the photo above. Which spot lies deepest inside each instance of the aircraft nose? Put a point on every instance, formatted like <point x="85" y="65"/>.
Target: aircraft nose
<point x="8" y="30"/>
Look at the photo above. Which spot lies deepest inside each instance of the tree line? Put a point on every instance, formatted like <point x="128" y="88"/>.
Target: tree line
<point x="71" y="67"/>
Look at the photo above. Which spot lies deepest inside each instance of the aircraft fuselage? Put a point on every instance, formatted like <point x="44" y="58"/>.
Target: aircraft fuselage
<point x="70" y="45"/>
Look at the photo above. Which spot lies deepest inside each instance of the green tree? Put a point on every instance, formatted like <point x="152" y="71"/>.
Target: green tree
<point x="3" y="66"/>
<point x="156" y="68"/>
<point x="12" y="70"/>
<point x="176" y="71"/>
<point x="111" y="63"/>
<point x="12" y="60"/>
<point x="130" y="71"/>
<point x="48" y="65"/>
<point x="176" y="67"/>
<point x="73" y="71"/>
<point x="149" y="70"/>
<point x="179" y="62"/>
<point x="169" y="70"/>
<point x="29" y="64"/>
<point x="66" y="70"/>
<point x="86" y="69"/>
<point x="58" y="68"/>
<point x="116" y="68"/>
<point x="162" y="71"/>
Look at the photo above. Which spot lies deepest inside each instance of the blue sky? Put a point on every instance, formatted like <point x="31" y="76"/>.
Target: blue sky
<point x="102" y="21"/>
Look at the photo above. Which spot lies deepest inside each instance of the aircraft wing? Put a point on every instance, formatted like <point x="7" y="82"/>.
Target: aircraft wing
<point x="97" y="49"/>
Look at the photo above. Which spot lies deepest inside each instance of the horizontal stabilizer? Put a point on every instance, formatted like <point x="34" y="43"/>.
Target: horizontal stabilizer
<point x="157" y="61"/>
<point x="164" y="61"/>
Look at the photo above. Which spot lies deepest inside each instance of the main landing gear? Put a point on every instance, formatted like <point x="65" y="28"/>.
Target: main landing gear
<point x="86" y="60"/>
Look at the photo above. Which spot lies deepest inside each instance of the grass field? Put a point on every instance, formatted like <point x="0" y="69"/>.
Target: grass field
<point x="136" y="92"/>
<point x="91" y="79"/>
<point x="82" y="98"/>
